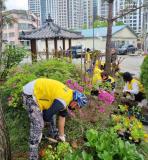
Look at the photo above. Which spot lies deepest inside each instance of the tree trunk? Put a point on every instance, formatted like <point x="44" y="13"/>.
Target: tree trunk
<point x="1" y="25"/>
<point x="5" y="153"/>
<point x="109" y="38"/>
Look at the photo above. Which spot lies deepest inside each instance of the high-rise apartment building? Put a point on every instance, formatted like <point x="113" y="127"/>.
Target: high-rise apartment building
<point x="88" y="13"/>
<point x="102" y="8"/>
<point x="48" y="7"/>
<point x="95" y="9"/>
<point x="34" y="7"/>
<point x="70" y="14"/>
<point x="133" y="19"/>
<point x="75" y="13"/>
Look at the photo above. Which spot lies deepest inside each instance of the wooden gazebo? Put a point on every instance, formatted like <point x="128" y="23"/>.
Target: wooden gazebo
<point x="50" y="31"/>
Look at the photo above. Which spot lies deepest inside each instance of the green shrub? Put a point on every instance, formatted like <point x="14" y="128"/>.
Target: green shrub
<point x="144" y="75"/>
<point x="11" y="56"/>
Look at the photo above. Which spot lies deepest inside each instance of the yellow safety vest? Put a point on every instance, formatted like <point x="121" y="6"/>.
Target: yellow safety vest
<point x="141" y="89"/>
<point x="87" y="57"/>
<point x="112" y="79"/>
<point x="47" y="90"/>
<point x="97" y="75"/>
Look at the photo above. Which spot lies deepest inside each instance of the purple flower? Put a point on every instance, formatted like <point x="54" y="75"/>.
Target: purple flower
<point x="69" y="81"/>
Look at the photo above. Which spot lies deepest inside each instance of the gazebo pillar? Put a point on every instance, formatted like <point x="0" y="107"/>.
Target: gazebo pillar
<point x="33" y="50"/>
<point x="69" y="43"/>
<point x="64" y="44"/>
<point x="47" y="52"/>
<point x="55" y="46"/>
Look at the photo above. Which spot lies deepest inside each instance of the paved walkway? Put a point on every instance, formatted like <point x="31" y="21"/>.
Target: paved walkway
<point x="131" y="64"/>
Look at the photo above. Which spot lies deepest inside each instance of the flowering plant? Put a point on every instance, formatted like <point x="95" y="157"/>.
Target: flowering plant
<point x="74" y="85"/>
<point x="106" y="97"/>
<point x="131" y="125"/>
<point x="85" y="87"/>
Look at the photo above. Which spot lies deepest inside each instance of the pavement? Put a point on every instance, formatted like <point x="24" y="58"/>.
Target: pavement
<point x="131" y="64"/>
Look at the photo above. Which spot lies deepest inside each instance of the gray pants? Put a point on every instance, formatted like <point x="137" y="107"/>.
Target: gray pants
<point x="36" y="125"/>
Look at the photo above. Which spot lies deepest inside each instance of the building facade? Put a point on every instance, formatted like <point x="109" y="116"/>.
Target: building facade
<point x="24" y="21"/>
<point x="70" y="14"/>
<point x="134" y="19"/>
<point x="88" y="13"/>
<point x="35" y="7"/>
<point x="102" y="8"/>
<point x="95" y="9"/>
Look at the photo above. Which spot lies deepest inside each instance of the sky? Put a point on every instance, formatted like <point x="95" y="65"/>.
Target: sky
<point x="16" y="4"/>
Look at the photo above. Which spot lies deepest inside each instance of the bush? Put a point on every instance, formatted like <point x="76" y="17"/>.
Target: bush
<point x="11" y="56"/>
<point x="144" y="75"/>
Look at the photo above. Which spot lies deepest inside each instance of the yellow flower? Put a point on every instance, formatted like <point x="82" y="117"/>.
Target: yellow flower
<point x="146" y="137"/>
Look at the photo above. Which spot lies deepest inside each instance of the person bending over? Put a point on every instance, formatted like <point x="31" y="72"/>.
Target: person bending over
<point x="44" y="98"/>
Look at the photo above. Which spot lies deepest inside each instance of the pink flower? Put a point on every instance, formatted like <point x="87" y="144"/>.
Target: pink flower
<point x="80" y="88"/>
<point x="101" y="109"/>
<point x="71" y="86"/>
<point x="106" y="97"/>
<point x="76" y="85"/>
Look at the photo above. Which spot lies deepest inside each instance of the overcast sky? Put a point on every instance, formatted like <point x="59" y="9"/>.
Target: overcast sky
<point x="16" y="4"/>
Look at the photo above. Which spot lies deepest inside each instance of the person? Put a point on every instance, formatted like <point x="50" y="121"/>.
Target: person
<point x="44" y="98"/>
<point x="133" y="87"/>
<point x="106" y="78"/>
<point x="87" y="59"/>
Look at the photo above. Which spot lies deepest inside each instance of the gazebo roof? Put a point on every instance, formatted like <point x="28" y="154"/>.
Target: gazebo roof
<point x="50" y="31"/>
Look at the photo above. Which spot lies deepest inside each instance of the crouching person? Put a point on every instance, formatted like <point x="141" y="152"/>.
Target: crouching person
<point x="106" y="78"/>
<point x="44" y="98"/>
<point x="133" y="87"/>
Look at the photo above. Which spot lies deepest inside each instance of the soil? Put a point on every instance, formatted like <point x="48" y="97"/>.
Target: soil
<point x="20" y="156"/>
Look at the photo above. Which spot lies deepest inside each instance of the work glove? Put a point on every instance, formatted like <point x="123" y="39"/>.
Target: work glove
<point x="61" y="138"/>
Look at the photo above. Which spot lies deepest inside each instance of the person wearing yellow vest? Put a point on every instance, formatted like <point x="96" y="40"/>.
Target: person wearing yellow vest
<point x="87" y="58"/>
<point x="44" y="98"/>
<point x="96" y="75"/>
<point x="106" y="78"/>
<point x="133" y="87"/>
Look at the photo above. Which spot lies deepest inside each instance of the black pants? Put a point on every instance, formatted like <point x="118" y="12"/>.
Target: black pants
<point x="139" y="97"/>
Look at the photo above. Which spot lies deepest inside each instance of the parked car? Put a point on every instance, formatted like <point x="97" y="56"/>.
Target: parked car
<point x="127" y="49"/>
<point x="77" y="51"/>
